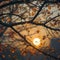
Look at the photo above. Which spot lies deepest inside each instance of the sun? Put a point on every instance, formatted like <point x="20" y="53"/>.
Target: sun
<point x="36" y="41"/>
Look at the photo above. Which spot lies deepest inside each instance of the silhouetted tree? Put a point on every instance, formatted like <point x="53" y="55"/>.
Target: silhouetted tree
<point x="23" y="20"/>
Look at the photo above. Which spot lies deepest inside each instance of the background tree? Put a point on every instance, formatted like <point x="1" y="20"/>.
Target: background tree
<point x="21" y="21"/>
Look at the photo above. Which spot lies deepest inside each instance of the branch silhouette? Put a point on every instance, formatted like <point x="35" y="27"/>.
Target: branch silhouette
<point x="11" y="24"/>
<point x="33" y="46"/>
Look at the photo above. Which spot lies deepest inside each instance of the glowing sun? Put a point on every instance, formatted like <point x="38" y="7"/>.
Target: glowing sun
<point x="36" y="41"/>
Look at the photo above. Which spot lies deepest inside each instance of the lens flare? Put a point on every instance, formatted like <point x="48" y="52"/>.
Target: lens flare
<point x="36" y="41"/>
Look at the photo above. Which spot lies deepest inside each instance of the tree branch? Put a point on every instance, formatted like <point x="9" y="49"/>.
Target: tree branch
<point x="11" y="3"/>
<point x="14" y="24"/>
<point x="1" y="34"/>
<point x="57" y="1"/>
<point x="51" y="19"/>
<point x="51" y="28"/>
<point x="33" y="46"/>
<point x="40" y="8"/>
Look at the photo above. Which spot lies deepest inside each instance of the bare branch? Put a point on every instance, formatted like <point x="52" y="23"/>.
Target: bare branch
<point x="52" y="1"/>
<point x="1" y="34"/>
<point x="33" y="46"/>
<point x="51" y="19"/>
<point x="40" y="8"/>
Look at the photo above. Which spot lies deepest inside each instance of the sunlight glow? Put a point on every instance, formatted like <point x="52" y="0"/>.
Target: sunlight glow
<point x="36" y="41"/>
